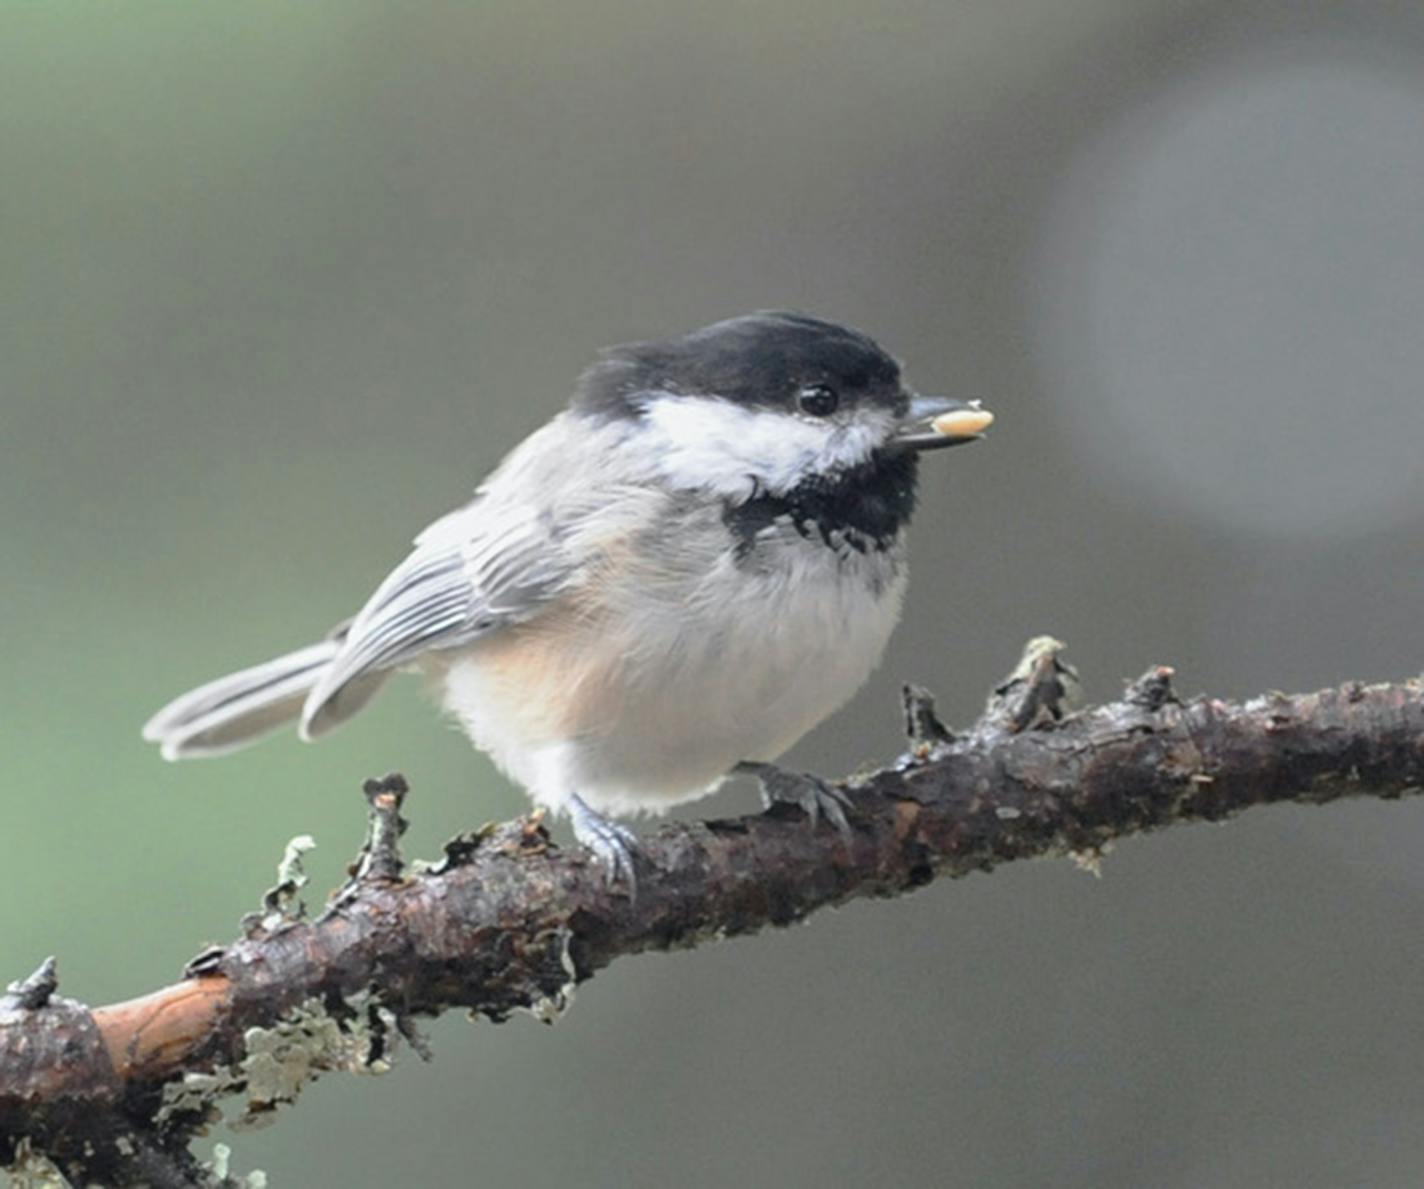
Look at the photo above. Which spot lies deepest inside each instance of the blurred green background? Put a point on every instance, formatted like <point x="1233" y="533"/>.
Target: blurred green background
<point x="280" y="283"/>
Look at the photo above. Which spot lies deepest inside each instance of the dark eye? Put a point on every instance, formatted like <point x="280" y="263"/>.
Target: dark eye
<point x="820" y="400"/>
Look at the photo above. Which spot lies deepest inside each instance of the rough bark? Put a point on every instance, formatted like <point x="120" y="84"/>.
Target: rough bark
<point x="507" y="921"/>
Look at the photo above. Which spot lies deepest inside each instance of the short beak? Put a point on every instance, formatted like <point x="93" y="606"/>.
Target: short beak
<point x="934" y="422"/>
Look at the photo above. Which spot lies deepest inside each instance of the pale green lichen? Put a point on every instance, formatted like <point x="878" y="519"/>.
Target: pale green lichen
<point x="33" y="1170"/>
<point x="282" y="1059"/>
<point x="219" y="1170"/>
<point x="197" y="1094"/>
<point x="280" y="903"/>
<point x="548" y="1008"/>
<point x="290" y="871"/>
<point x="1090" y="859"/>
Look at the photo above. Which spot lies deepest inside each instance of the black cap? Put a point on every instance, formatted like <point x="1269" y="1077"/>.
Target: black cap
<point x="764" y="359"/>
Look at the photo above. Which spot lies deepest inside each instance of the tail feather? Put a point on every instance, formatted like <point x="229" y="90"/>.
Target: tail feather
<point x="236" y="710"/>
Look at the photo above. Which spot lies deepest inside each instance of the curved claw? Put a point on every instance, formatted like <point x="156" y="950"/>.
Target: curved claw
<point x="613" y="845"/>
<point x="812" y="795"/>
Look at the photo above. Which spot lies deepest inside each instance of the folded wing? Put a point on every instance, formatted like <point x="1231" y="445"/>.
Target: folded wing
<point x="470" y="573"/>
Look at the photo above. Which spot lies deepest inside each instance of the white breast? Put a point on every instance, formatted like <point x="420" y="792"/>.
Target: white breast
<point x="679" y="674"/>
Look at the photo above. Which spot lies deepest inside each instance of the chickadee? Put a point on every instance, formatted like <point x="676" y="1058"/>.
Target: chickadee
<point x="676" y="578"/>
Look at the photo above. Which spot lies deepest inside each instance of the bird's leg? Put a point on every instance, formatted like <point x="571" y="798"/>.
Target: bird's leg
<point x="613" y="845"/>
<point x="812" y="795"/>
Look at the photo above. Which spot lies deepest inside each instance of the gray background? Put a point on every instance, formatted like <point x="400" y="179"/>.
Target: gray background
<point x="279" y="283"/>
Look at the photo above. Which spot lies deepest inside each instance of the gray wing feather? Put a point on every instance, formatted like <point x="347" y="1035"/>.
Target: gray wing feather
<point x="467" y="576"/>
<point x="230" y="712"/>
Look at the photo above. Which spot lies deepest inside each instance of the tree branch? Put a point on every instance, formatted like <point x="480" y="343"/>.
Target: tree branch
<point x="506" y="921"/>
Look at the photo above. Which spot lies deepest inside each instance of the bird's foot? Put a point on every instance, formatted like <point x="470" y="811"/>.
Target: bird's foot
<point x="812" y="795"/>
<point x="613" y="845"/>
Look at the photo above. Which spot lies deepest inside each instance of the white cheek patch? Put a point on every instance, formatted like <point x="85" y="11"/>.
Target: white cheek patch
<point x="715" y="445"/>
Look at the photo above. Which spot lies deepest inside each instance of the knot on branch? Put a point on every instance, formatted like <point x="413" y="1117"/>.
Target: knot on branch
<point x="380" y="857"/>
<point x="32" y="993"/>
<point x="922" y="724"/>
<point x="1153" y="689"/>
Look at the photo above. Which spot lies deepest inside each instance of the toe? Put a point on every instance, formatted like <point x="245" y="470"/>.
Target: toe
<point x="812" y="795"/>
<point x="613" y="846"/>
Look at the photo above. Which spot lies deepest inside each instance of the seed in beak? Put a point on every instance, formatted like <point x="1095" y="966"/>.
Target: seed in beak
<point x="963" y="423"/>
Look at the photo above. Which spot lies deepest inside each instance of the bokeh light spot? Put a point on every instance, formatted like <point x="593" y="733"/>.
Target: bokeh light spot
<point x="1228" y="293"/>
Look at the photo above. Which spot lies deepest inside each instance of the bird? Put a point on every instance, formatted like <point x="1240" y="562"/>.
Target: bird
<point x="673" y="580"/>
